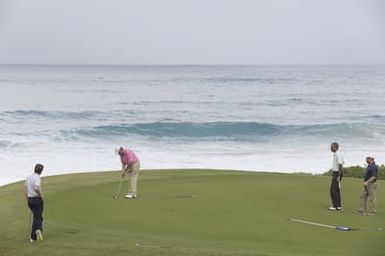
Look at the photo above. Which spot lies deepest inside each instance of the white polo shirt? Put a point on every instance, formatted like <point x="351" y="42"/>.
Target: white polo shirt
<point x="337" y="160"/>
<point x="32" y="183"/>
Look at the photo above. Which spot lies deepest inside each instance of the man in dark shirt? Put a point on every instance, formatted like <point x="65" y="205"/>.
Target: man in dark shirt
<point x="369" y="188"/>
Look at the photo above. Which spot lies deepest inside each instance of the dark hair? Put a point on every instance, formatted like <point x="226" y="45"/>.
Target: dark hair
<point x="39" y="168"/>
<point x="335" y="144"/>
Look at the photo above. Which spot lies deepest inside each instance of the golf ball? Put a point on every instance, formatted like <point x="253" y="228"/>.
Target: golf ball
<point x="115" y="197"/>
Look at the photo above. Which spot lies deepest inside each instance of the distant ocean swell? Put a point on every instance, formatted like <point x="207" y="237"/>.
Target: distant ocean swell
<point x="51" y="115"/>
<point x="221" y="79"/>
<point x="186" y="129"/>
<point x="232" y="131"/>
<point x="109" y="124"/>
<point x="208" y="131"/>
<point x="76" y="115"/>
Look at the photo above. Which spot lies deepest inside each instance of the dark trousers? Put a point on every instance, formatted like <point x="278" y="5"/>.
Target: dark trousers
<point x="335" y="193"/>
<point x="36" y="206"/>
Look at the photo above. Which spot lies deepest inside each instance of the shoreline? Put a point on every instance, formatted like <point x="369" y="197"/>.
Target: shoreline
<point x="168" y="169"/>
<point x="171" y="169"/>
<point x="355" y="171"/>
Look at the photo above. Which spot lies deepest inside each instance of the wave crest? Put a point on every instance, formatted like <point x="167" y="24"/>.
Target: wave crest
<point x="231" y="130"/>
<point x="186" y="129"/>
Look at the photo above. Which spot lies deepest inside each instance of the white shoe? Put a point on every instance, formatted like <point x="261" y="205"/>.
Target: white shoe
<point x="332" y="208"/>
<point x="339" y="209"/>
<point x="39" y="235"/>
<point x="130" y="196"/>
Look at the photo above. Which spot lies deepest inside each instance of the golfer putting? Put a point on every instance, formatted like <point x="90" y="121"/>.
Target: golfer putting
<point x="130" y="167"/>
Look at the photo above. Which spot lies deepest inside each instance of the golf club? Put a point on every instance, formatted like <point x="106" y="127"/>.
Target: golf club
<point x="339" y="228"/>
<point x="117" y="192"/>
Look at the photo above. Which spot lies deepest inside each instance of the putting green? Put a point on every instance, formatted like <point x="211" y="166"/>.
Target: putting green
<point x="191" y="212"/>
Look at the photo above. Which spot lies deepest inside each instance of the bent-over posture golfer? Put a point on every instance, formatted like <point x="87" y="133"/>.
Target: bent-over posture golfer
<point x="34" y="195"/>
<point x="130" y="167"/>
<point x="369" y="189"/>
<point x="337" y="174"/>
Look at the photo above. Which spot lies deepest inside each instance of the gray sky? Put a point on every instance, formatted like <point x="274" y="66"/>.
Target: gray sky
<point x="192" y="31"/>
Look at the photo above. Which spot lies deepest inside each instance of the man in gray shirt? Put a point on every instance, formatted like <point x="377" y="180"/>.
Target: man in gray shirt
<point x="34" y="196"/>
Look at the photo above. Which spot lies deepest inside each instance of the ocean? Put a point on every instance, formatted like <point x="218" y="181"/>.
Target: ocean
<point x="253" y="118"/>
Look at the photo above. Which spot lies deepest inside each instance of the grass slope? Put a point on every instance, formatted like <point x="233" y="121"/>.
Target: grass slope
<point x="232" y="213"/>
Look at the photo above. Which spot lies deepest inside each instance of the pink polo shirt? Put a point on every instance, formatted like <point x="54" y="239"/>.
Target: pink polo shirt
<point x="128" y="157"/>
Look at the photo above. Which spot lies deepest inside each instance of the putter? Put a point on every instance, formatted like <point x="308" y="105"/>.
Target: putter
<point x="117" y="192"/>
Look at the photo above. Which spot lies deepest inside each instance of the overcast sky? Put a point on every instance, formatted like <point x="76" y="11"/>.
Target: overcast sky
<point x="192" y="31"/>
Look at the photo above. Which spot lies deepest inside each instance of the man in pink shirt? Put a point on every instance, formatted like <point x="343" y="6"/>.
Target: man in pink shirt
<point x="130" y="167"/>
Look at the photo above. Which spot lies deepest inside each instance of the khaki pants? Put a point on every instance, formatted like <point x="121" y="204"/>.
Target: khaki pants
<point x="133" y="174"/>
<point x="369" y="192"/>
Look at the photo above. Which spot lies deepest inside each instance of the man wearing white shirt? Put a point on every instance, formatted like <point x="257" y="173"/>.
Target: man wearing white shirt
<point x="337" y="174"/>
<point x="34" y="196"/>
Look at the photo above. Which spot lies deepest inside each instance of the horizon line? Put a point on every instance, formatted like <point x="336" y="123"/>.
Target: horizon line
<point x="194" y="64"/>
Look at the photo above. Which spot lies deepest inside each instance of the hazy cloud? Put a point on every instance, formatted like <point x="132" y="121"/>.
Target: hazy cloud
<point x="192" y="31"/>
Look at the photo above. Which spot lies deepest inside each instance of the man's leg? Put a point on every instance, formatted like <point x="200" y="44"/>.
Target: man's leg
<point x="129" y="181"/>
<point x="363" y="199"/>
<point x="338" y="195"/>
<point x="332" y="194"/>
<point x="134" y="178"/>
<point x="41" y="207"/>
<point x="372" y="197"/>
<point x="335" y="192"/>
<point x="32" y="207"/>
<point x="39" y="231"/>
<point x="36" y="206"/>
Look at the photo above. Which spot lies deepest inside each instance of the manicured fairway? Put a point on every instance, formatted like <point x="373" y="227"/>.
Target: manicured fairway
<point x="191" y="212"/>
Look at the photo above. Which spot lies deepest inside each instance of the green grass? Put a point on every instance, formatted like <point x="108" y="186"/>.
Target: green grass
<point x="232" y="213"/>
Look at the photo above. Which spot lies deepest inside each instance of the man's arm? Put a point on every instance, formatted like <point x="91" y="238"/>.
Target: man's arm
<point x="369" y="180"/>
<point x="38" y="191"/>
<point x="123" y="170"/>
<point x="126" y="168"/>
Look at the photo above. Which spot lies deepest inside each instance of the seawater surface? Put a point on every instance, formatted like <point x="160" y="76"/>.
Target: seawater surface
<point x="257" y="118"/>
